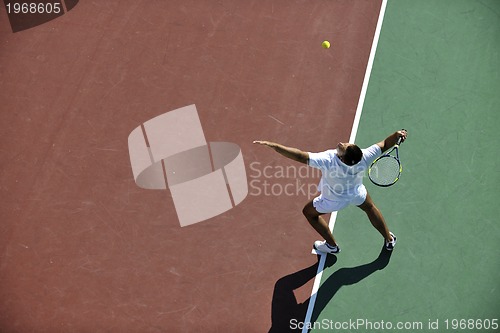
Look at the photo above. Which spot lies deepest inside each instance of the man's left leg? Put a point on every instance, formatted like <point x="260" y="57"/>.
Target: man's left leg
<point x="319" y="224"/>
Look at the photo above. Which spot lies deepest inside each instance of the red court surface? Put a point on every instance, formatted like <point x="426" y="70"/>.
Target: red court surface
<point x="82" y="247"/>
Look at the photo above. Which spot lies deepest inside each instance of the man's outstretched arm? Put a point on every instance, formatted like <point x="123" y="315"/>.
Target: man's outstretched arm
<point x="292" y="153"/>
<point x="392" y="139"/>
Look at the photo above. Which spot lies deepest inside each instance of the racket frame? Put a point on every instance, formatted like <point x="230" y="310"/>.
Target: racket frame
<point x="388" y="155"/>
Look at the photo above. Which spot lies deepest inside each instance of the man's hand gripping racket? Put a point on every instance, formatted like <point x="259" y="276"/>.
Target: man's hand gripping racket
<point x="386" y="169"/>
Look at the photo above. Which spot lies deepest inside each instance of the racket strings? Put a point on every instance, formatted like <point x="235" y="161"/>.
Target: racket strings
<point x="385" y="171"/>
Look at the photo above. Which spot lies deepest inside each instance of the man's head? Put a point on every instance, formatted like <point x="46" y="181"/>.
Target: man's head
<point x="349" y="153"/>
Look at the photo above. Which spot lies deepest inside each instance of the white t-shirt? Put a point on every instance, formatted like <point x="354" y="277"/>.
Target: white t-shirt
<point x="339" y="180"/>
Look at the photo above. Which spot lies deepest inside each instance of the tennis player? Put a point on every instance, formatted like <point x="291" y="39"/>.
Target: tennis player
<point x="341" y="185"/>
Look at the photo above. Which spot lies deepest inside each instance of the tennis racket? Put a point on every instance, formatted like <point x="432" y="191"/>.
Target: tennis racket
<point x="386" y="169"/>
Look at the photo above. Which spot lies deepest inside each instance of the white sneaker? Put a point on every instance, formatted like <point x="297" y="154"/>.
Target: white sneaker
<point x="389" y="246"/>
<point x="324" y="247"/>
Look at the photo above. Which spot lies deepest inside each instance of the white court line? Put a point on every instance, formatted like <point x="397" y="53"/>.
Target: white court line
<point x="354" y="131"/>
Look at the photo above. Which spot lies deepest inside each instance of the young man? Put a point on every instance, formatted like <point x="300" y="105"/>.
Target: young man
<point x="341" y="185"/>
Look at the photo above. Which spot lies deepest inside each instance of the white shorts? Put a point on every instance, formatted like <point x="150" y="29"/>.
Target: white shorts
<point x="326" y="206"/>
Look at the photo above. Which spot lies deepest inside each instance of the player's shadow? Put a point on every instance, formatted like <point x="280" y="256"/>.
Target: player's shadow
<point x="287" y="315"/>
<point x="284" y="308"/>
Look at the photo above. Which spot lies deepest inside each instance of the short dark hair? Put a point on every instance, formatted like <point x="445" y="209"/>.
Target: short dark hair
<point x="353" y="155"/>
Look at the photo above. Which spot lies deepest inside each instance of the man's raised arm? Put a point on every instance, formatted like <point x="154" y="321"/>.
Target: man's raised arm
<point x="292" y="153"/>
<point x="392" y="139"/>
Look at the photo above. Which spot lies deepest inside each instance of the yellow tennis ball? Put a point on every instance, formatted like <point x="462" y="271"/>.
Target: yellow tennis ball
<point x="326" y="44"/>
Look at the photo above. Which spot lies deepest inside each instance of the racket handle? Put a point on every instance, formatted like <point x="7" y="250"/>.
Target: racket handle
<point x="400" y="139"/>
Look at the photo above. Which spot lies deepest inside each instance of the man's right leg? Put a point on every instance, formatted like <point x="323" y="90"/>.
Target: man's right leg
<point x="377" y="220"/>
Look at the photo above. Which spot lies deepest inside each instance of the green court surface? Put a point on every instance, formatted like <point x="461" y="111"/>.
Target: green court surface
<point x="437" y="74"/>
